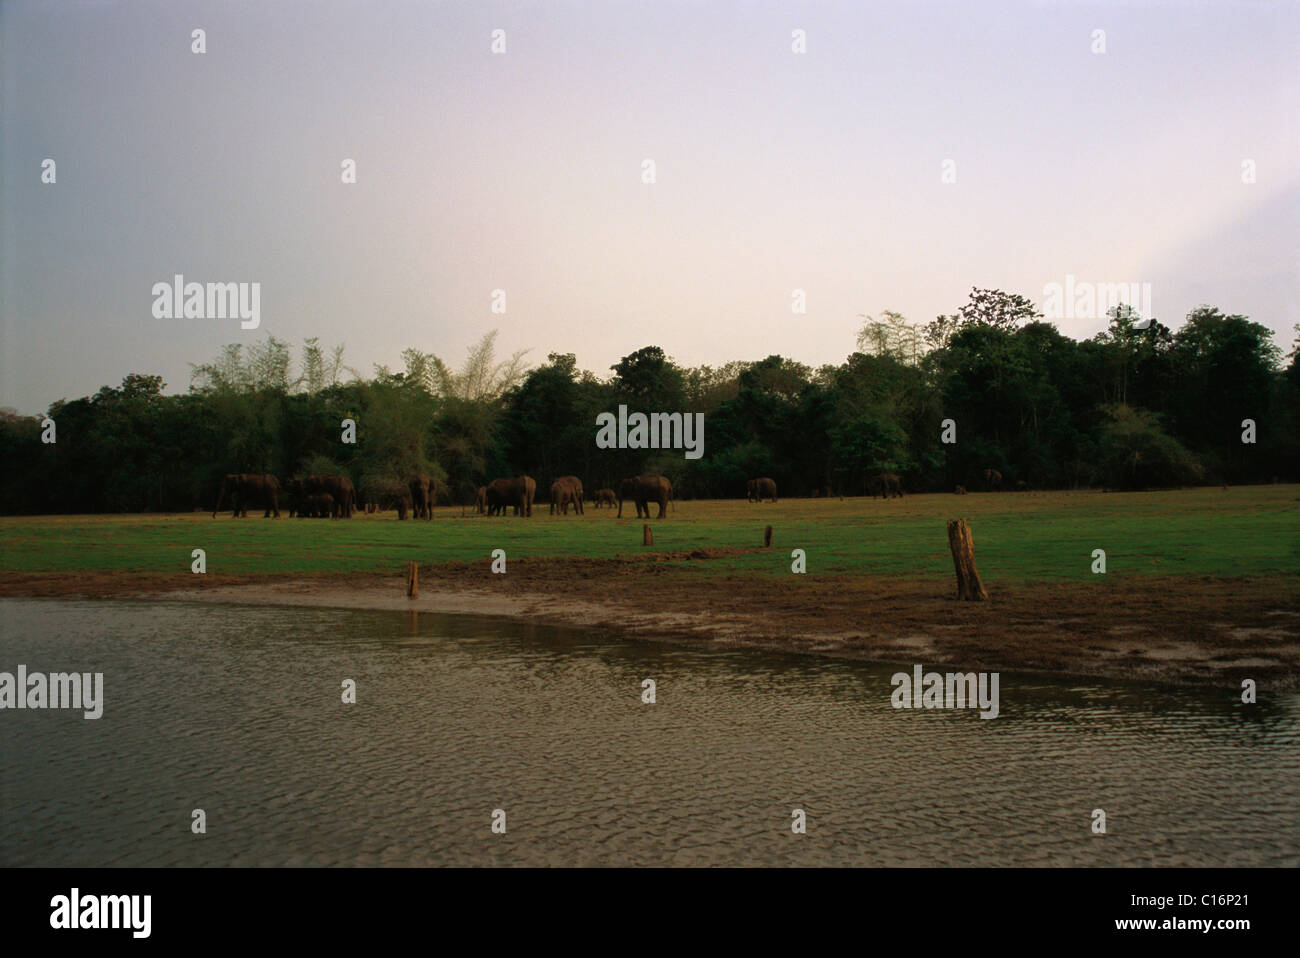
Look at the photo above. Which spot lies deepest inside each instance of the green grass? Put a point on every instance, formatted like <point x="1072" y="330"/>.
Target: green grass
<point x="1244" y="531"/>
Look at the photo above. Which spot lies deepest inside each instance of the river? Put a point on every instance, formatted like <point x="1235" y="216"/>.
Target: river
<point x="236" y="710"/>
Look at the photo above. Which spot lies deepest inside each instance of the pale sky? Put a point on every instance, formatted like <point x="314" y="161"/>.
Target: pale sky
<point x="522" y="171"/>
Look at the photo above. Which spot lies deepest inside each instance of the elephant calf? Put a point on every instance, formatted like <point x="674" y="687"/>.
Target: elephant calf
<point x="319" y="505"/>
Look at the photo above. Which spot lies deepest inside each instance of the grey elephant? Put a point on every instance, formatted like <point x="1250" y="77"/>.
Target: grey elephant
<point x="887" y="484"/>
<point x="518" y="492"/>
<point x="566" y="491"/>
<point x="762" y="488"/>
<point x="423" y="489"/>
<point x="644" y="490"/>
<point x="245" y="489"/>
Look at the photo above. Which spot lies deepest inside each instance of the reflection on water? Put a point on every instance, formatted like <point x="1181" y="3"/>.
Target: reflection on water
<point x="236" y="710"/>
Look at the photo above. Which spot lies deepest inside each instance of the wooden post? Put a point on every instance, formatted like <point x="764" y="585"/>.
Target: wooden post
<point x="412" y="580"/>
<point x="647" y="537"/>
<point x="767" y="538"/>
<point x="969" y="587"/>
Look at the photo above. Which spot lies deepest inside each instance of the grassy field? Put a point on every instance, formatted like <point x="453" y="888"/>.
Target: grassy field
<point x="1019" y="537"/>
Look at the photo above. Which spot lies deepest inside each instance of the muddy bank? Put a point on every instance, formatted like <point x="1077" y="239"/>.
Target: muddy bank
<point x="1184" y="630"/>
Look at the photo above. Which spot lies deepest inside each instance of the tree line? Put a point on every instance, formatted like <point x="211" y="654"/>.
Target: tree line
<point x="1137" y="406"/>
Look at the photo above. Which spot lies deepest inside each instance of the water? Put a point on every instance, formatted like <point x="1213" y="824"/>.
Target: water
<point x="236" y="710"/>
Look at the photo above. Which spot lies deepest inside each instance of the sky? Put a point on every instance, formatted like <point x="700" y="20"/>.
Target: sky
<point x="523" y="171"/>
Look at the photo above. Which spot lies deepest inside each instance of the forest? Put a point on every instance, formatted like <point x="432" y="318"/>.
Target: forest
<point x="1139" y="405"/>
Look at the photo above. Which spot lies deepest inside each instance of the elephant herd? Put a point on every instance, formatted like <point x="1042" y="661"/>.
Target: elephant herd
<point x="993" y="483"/>
<point x="334" y="497"/>
<point x="887" y="485"/>
<point x="311" y="497"/>
<point x="520" y="492"/>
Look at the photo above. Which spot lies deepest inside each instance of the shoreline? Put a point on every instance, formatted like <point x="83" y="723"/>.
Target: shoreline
<point x="1176" y="630"/>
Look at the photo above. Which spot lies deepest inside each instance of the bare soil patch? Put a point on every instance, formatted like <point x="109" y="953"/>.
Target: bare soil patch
<point x="1178" y="629"/>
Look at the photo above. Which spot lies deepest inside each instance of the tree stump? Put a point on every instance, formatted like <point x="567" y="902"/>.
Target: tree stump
<point x="412" y="580"/>
<point x="647" y="537"/>
<point x="767" y="538"/>
<point x="969" y="587"/>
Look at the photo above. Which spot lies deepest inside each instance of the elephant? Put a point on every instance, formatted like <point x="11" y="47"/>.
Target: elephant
<point x="423" y="489"/>
<point x="496" y="496"/>
<point x="480" y="500"/>
<point x="566" y="491"/>
<point x="250" y="488"/>
<point x="992" y="480"/>
<point x="317" y="505"/>
<point x="518" y="492"/>
<point x="760" y="489"/>
<point x="887" y="484"/>
<point x="404" y="505"/>
<point x="959" y="491"/>
<point x="340" y="487"/>
<point x="605" y="497"/>
<point x="644" y="490"/>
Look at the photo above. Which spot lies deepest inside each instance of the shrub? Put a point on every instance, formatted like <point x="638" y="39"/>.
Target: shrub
<point x="1135" y="453"/>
